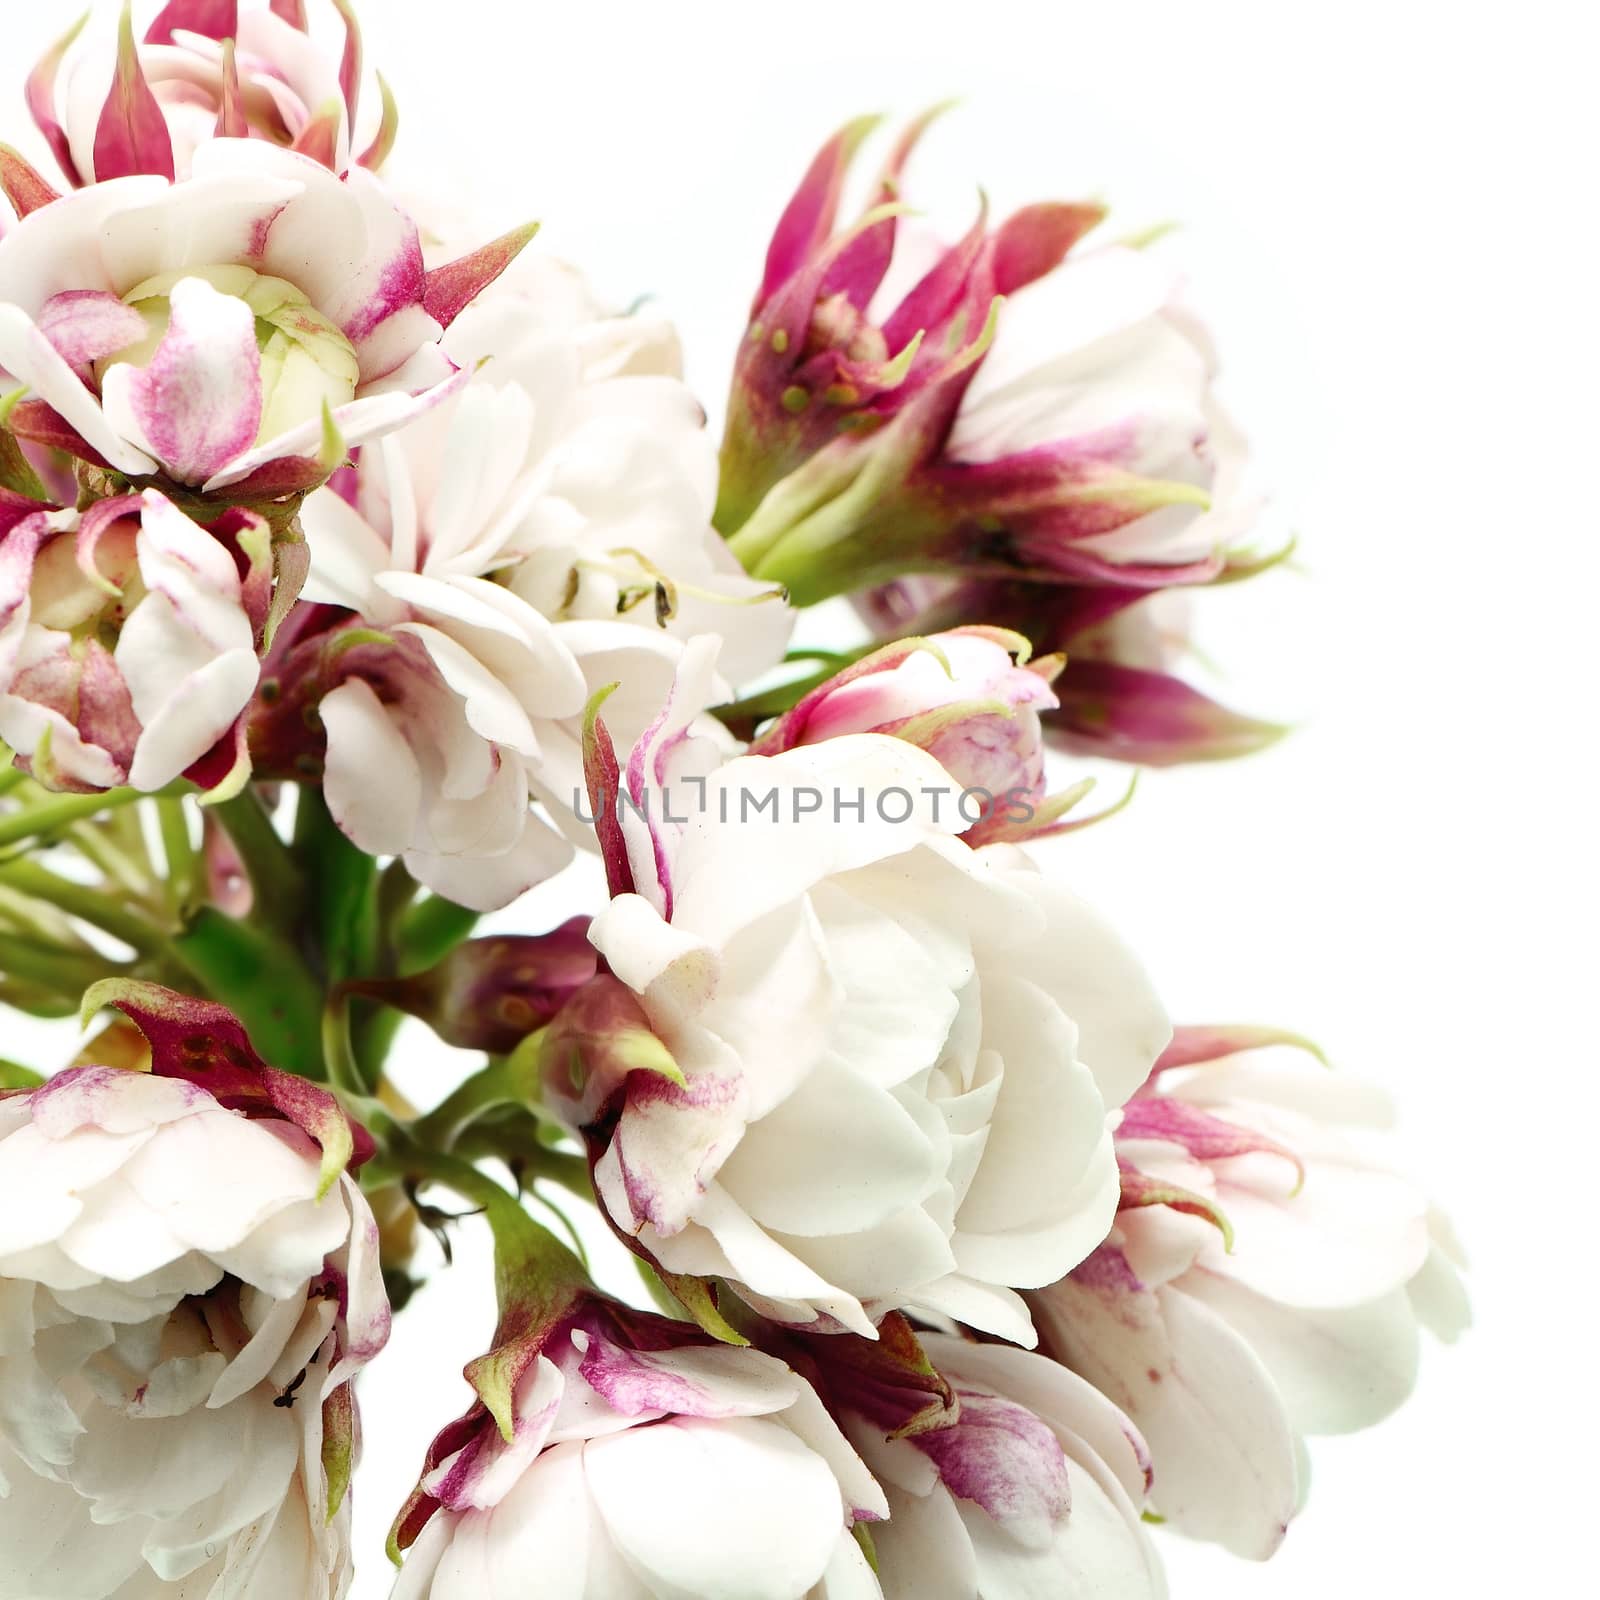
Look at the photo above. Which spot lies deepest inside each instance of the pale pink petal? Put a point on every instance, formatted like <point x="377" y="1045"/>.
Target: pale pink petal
<point x="87" y="325"/>
<point x="197" y="405"/>
<point x="364" y="418"/>
<point x="32" y="360"/>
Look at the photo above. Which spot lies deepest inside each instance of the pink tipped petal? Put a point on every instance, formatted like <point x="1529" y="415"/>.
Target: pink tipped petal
<point x="603" y="778"/>
<point x="808" y="218"/>
<point x="357" y="422"/>
<point x="215" y="19"/>
<point x="21" y="184"/>
<point x="292" y="11"/>
<point x="87" y="325"/>
<point x="197" y="405"/>
<point x="1205" y="1137"/>
<point x="1036" y="240"/>
<point x="41" y="97"/>
<point x="32" y="360"/>
<point x="1130" y="714"/>
<point x="451" y="288"/>
<point x="132" y="135"/>
<point x="1002" y="1457"/>
<point x="940" y="293"/>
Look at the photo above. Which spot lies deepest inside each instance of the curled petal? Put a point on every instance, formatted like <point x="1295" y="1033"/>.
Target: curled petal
<point x="41" y="96"/>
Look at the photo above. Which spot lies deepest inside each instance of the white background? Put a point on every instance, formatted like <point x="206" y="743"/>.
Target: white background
<point x="1389" y="214"/>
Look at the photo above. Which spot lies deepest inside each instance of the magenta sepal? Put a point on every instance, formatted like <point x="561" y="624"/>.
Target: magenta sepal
<point x="215" y="19"/>
<point x="203" y="1043"/>
<point x="132" y="134"/>
<point x="1153" y="718"/>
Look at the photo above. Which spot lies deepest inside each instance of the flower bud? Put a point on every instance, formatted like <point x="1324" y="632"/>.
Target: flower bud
<point x="969" y="697"/>
<point x="110" y="105"/>
<point x="303" y="361"/>
<point x="490" y="994"/>
<point x="1004" y="418"/>
<point x="1119" y="695"/>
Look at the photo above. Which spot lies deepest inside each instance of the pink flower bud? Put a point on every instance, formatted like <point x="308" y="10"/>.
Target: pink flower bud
<point x="968" y="697"/>
<point x="1119" y="695"/>
<point x="490" y="994"/>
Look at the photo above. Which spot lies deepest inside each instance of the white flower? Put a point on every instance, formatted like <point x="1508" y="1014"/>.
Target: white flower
<point x="129" y="642"/>
<point x="1103" y="359"/>
<point x="1308" y="1324"/>
<point x="179" y="1315"/>
<point x="659" y="1473"/>
<point x="204" y="328"/>
<point x="1036" y="1490"/>
<point x="541" y="534"/>
<point x="897" y="1053"/>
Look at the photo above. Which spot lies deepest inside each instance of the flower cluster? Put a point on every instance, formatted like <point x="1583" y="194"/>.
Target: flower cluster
<point x="353" y="584"/>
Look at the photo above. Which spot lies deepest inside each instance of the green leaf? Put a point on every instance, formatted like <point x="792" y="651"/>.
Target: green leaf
<point x="429" y="931"/>
<point x="15" y="1076"/>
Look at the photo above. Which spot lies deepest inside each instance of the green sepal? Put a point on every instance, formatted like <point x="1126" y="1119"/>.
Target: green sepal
<point x="698" y="1297"/>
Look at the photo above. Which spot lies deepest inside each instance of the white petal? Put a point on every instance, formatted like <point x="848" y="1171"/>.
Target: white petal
<point x="730" y="1510"/>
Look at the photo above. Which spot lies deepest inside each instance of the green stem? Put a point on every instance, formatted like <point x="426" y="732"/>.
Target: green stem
<point x="530" y="1262"/>
<point x="62" y="972"/>
<point x="92" y="841"/>
<point x="184" y="878"/>
<point x="397" y="892"/>
<point x="497" y="1084"/>
<point x="103" y="911"/>
<point x="274" y="874"/>
<point x="60" y="812"/>
<point x="338" y="1054"/>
